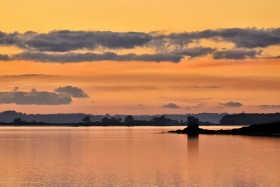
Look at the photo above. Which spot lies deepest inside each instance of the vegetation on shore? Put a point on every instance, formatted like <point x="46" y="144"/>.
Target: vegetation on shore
<point x="106" y="121"/>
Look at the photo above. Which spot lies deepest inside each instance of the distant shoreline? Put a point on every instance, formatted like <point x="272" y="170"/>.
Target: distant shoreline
<point x="97" y="124"/>
<point x="74" y="125"/>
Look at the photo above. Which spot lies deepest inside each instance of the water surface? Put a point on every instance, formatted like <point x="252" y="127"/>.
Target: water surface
<point x="134" y="156"/>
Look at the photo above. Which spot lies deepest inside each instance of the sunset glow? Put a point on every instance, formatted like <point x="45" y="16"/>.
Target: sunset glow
<point x="219" y="62"/>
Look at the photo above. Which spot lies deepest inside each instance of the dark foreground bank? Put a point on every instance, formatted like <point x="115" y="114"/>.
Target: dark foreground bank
<point x="271" y="129"/>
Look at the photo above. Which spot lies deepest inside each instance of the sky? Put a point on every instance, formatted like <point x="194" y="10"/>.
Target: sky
<point x="140" y="57"/>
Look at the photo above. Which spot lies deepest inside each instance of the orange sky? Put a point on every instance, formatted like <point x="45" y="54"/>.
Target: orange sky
<point x="196" y="85"/>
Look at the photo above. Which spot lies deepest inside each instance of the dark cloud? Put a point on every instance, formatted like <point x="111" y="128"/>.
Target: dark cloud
<point x="232" y="104"/>
<point x="4" y="57"/>
<point x="83" y="57"/>
<point x="35" y="97"/>
<point x="63" y="45"/>
<point x="235" y="54"/>
<point x="66" y="40"/>
<point x="71" y="91"/>
<point x="269" y="106"/>
<point x="175" y="56"/>
<point x="241" y="37"/>
<point x="251" y="38"/>
<point x="171" y="105"/>
<point x="9" y="38"/>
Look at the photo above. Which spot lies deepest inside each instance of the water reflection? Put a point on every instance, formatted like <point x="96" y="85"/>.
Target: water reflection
<point x="126" y="156"/>
<point x="193" y="145"/>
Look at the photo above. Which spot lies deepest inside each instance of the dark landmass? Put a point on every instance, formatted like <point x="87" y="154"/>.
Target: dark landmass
<point x="249" y="119"/>
<point x="271" y="129"/>
<point x="106" y="121"/>
<point x="9" y="116"/>
<point x="12" y="118"/>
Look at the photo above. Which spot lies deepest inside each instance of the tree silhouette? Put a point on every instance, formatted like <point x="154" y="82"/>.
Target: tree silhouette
<point x="105" y="120"/>
<point x="129" y="119"/>
<point x="86" y="119"/>
<point x="18" y="120"/>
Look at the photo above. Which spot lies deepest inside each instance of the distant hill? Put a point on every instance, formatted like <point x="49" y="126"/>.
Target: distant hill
<point x="249" y="119"/>
<point x="10" y="116"/>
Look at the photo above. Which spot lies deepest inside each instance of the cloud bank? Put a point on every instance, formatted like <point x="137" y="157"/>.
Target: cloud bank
<point x="60" y="96"/>
<point x="91" y="57"/>
<point x="89" y="46"/>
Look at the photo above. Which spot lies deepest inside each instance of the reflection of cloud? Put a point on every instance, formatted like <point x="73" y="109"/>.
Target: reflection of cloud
<point x="171" y="105"/>
<point x="232" y="104"/>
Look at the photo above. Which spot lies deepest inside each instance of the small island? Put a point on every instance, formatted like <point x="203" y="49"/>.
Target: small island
<point x="271" y="129"/>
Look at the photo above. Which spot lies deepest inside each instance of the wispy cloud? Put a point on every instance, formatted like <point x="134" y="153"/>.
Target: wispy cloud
<point x="137" y="107"/>
<point x="269" y="106"/>
<point x="125" y="87"/>
<point x="28" y="76"/>
<point x="200" y="105"/>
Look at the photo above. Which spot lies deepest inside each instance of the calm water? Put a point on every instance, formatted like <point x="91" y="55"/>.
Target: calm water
<point x="134" y="156"/>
